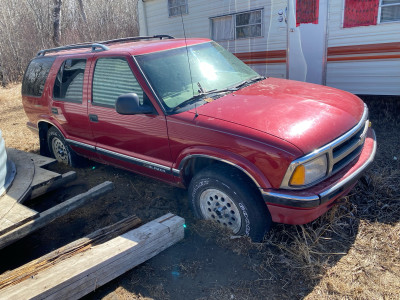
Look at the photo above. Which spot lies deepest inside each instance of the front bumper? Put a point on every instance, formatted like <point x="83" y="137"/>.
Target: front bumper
<point x="300" y="207"/>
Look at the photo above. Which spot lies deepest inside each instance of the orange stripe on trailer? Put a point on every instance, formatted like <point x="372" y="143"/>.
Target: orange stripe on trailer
<point x="364" y="49"/>
<point x="367" y="57"/>
<point x="261" y="54"/>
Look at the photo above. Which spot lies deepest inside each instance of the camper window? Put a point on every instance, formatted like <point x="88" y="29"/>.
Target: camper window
<point x="237" y="26"/>
<point x="389" y="11"/>
<point x="177" y="7"/>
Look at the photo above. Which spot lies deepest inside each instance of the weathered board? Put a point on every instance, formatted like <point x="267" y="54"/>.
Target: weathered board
<point x="31" y="181"/>
<point x="83" y="273"/>
<point x="102" y="235"/>
<point x="53" y="213"/>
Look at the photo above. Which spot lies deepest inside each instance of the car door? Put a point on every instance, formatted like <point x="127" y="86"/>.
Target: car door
<point x="136" y="142"/>
<point x="69" y="103"/>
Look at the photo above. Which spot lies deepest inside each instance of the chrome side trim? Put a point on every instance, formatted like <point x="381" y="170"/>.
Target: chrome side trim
<point x="137" y="161"/>
<point x="183" y="162"/>
<point x="82" y="145"/>
<point x="327" y="150"/>
<point x="129" y="159"/>
<point x="176" y="172"/>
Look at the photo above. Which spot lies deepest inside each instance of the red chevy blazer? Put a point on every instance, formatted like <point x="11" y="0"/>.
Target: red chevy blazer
<point x="251" y="150"/>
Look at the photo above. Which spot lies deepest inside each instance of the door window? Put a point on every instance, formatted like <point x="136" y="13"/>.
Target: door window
<point x="68" y="85"/>
<point x="112" y="78"/>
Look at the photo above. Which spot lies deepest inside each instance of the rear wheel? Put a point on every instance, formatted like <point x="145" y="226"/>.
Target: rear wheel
<point x="59" y="149"/>
<point x="226" y="196"/>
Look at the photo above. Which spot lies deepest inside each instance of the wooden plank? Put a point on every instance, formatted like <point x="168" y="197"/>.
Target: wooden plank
<point x="55" y="212"/>
<point x="40" y="160"/>
<point x="17" y="215"/>
<point x="20" y="187"/>
<point x="42" y="176"/>
<point x="83" y="273"/>
<point x="52" y="184"/>
<point x="102" y="235"/>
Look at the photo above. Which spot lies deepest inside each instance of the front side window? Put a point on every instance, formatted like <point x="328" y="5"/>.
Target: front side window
<point x="237" y="26"/>
<point x="177" y="75"/>
<point x="177" y="7"/>
<point x="68" y="85"/>
<point x="36" y="75"/>
<point x="389" y="11"/>
<point x="112" y="78"/>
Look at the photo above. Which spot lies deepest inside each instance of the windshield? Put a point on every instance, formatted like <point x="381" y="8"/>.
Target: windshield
<point x="210" y="68"/>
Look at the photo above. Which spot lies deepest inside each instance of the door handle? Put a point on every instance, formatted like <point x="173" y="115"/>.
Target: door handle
<point x="93" y="118"/>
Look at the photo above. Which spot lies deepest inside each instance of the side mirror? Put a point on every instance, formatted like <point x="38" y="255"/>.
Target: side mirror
<point x="128" y="104"/>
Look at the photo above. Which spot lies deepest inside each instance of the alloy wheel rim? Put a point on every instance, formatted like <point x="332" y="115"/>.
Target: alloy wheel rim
<point x="217" y="206"/>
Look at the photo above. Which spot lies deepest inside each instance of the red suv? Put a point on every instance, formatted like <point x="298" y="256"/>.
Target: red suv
<point x="250" y="150"/>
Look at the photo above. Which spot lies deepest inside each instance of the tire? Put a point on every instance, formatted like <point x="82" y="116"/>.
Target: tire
<point x="59" y="149"/>
<point x="227" y="196"/>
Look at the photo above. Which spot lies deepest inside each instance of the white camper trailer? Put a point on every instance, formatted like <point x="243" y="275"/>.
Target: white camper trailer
<point x="352" y="45"/>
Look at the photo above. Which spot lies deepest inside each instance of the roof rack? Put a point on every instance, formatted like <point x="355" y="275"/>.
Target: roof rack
<point x="99" y="46"/>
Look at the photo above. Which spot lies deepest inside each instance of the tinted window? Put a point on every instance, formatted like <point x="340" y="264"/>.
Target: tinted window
<point x="68" y="85"/>
<point x="35" y="76"/>
<point x="113" y="77"/>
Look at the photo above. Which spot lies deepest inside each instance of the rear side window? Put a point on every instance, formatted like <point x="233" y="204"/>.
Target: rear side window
<point x="68" y="85"/>
<point x="112" y="78"/>
<point x="35" y="76"/>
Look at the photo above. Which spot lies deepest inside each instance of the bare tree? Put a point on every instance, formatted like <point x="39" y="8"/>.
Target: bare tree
<point x="57" y="22"/>
<point x="82" y="10"/>
<point x="27" y="26"/>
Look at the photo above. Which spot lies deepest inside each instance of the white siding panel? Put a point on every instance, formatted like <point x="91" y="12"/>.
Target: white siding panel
<point x="339" y="36"/>
<point x="380" y="77"/>
<point x="270" y="70"/>
<point x="198" y="24"/>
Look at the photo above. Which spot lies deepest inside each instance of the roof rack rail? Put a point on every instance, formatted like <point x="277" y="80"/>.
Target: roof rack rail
<point x="95" y="46"/>
<point x="137" y="38"/>
<point x="99" y="46"/>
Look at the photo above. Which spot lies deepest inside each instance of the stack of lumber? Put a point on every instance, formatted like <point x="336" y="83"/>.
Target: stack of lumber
<point x="82" y="266"/>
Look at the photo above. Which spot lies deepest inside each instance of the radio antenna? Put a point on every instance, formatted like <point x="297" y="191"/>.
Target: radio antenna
<point x="187" y="55"/>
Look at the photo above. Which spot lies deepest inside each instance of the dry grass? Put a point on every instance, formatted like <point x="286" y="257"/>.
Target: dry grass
<point x="352" y="252"/>
<point x="13" y="121"/>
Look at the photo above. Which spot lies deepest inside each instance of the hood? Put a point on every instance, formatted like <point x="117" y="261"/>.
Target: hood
<point x="306" y="115"/>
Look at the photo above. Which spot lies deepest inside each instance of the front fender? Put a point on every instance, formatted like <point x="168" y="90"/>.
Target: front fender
<point x="224" y="156"/>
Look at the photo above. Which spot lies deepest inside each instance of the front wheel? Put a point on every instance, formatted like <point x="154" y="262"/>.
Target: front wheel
<point x="59" y="148"/>
<point x="226" y="196"/>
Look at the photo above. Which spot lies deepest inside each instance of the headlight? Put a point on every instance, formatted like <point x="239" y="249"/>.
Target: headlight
<point x="309" y="172"/>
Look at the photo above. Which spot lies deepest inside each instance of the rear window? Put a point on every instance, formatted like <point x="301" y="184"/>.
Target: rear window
<point x="35" y="76"/>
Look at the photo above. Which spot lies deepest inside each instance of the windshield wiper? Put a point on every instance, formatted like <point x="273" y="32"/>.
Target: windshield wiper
<point x="201" y="94"/>
<point x="189" y="101"/>
<point x="248" y="81"/>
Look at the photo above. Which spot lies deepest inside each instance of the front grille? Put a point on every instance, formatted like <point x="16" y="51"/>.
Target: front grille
<point x="349" y="149"/>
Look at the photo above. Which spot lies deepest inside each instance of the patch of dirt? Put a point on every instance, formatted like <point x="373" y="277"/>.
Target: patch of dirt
<point x="351" y="252"/>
